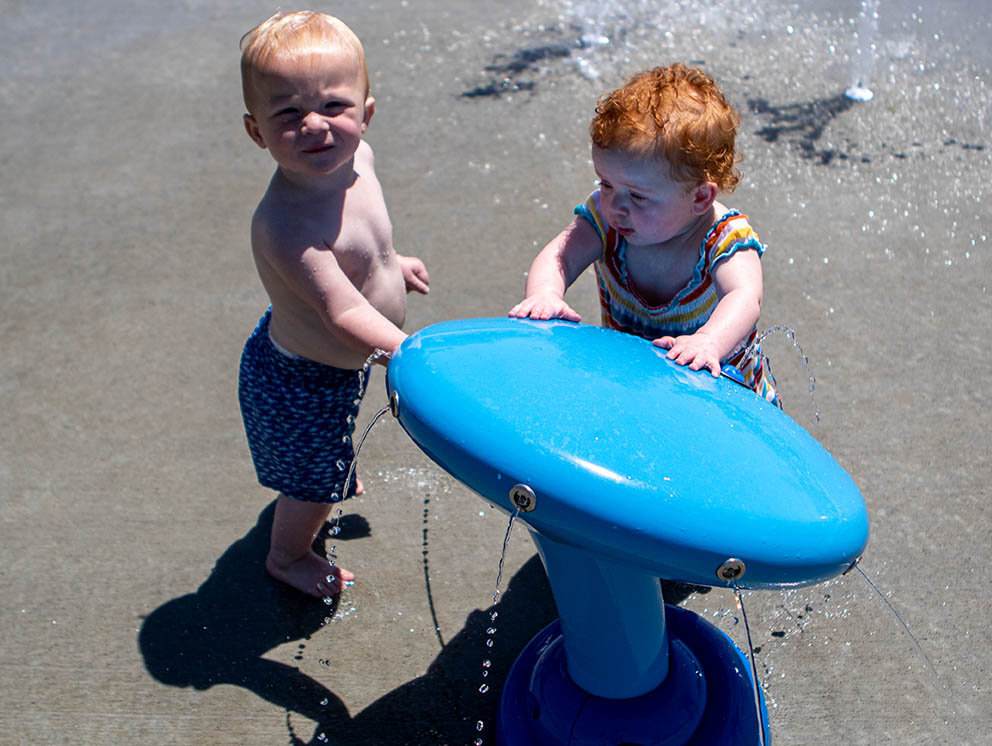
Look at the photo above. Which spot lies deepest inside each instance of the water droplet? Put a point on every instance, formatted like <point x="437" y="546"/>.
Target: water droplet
<point x="480" y="725"/>
<point x="324" y="702"/>
<point x="486" y="663"/>
<point x="489" y="643"/>
<point x="484" y="688"/>
<point x="491" y="631"/>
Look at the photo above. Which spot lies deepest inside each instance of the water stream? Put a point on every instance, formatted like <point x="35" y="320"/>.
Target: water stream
<point x="336" y="498"/>
<point x="905" y="627"/>
<point x="480" y="725"/>
<point x="754" y="348"/>
<point x="863" y="59"/>
<point x="754" y="667"/>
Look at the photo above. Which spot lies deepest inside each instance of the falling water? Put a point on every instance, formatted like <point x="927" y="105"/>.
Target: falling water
<point x="754" y="667"/>
<point x="863" y="59"/>
<point x="427" y="572"/>
<point x="336" y="498"/>
<point x="491" y="629"/>
<point x="603" y="26"/>
<point x="754" y="349"/>
<point x="905" y="627"/>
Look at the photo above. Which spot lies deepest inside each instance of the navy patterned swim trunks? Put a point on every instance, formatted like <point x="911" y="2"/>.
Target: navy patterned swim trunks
<point x="299" y="416"/>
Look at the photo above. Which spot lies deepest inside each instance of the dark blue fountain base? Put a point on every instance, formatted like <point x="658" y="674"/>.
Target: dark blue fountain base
<point x="707" y="698"/>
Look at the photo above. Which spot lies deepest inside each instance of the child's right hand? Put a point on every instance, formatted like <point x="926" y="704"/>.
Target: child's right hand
<point x="544" y="306"/>
<point x="415" y="274"/>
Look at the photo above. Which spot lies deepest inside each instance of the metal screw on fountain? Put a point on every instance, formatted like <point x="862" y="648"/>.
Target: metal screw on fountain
<point x="731" y="570"/>
<point x="523" y="497"/>
<point x="394" y="404"/>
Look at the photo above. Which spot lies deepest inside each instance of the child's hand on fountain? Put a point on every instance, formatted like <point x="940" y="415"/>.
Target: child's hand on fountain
<point x="544" y="306"/>
<point x="738" y="285"/>
<point x="554" y="269"/>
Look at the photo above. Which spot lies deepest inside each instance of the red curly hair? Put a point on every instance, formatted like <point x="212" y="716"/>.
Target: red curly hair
<point x="676" y="113"/>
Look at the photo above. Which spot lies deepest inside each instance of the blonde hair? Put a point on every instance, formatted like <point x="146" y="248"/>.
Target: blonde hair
<point x="287" y="35"/>
<point x="675" y="113"/>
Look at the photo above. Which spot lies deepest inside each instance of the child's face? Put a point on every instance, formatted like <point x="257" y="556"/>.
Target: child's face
<point x="641" y="200"/>
<point x="310" y="111"/>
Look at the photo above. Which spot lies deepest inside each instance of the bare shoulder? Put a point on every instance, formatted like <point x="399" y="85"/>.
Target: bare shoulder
<point x="364" y="157"/>
<point x="281" y="232"/>
<point x="271" y="224"/>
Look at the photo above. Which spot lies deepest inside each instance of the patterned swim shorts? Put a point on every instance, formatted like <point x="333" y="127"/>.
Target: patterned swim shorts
<point x="299" y="417"/>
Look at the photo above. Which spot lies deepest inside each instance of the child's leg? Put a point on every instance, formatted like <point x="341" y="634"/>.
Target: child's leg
<point x="291" y="558"/>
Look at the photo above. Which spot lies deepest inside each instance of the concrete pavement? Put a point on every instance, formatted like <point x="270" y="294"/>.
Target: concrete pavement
<point x="135" y="608"/>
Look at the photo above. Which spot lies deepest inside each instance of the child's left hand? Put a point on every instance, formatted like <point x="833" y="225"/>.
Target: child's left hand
<point x="697" y="351"/>
<point x="415" y="274"/>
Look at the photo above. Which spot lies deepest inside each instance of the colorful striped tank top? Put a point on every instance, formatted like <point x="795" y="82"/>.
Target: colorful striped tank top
<point x="623" y="309"/>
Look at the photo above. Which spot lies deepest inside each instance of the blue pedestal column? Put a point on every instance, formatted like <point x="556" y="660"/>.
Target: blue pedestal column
<point x="612" y="619"/>
<point x="610" y="671"/>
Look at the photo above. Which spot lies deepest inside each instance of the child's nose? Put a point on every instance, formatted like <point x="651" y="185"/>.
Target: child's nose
<point x="619" y="204"/>
<point x="313" y="122"/>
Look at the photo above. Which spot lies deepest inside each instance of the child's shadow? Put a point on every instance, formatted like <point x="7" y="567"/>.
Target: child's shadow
<point x="219" y="634"/>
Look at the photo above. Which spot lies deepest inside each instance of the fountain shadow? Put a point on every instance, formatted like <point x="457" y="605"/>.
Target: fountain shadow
<point x="213" y="637"/>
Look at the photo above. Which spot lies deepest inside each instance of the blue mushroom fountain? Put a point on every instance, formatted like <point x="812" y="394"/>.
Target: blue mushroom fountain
<point x="627" y="468"/>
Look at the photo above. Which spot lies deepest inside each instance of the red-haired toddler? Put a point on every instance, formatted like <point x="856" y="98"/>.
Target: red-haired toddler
<point x="673" y="265"/>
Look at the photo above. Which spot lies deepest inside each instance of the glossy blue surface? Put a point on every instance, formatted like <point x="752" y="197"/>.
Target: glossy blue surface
<point x="630" y="455"/>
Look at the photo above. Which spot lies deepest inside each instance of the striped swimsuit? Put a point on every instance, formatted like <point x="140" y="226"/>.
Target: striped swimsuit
<point x="623" y="309"/>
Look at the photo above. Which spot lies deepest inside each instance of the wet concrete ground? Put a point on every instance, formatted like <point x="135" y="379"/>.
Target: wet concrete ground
<point x="134" y="604"/>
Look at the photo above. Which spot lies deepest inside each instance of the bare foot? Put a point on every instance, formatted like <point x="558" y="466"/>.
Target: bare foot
<point x="311" y="574"/>
<point x="359" y="487"/>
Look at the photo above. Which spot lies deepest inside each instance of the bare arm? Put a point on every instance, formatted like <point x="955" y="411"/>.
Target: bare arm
<point x="553" y="270"/>
<point x="738" y="283"/>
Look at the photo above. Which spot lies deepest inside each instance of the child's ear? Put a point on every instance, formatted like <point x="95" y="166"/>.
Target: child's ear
<point x="369" y="111"/>
<point x="703" y="197"/>
<point x="251" y="127"/>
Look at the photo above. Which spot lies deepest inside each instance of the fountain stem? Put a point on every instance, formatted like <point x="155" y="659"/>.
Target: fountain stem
<point x="612" y="619"/>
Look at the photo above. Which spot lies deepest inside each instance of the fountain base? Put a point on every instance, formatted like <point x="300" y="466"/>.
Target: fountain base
<point x="707" y="697"/>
